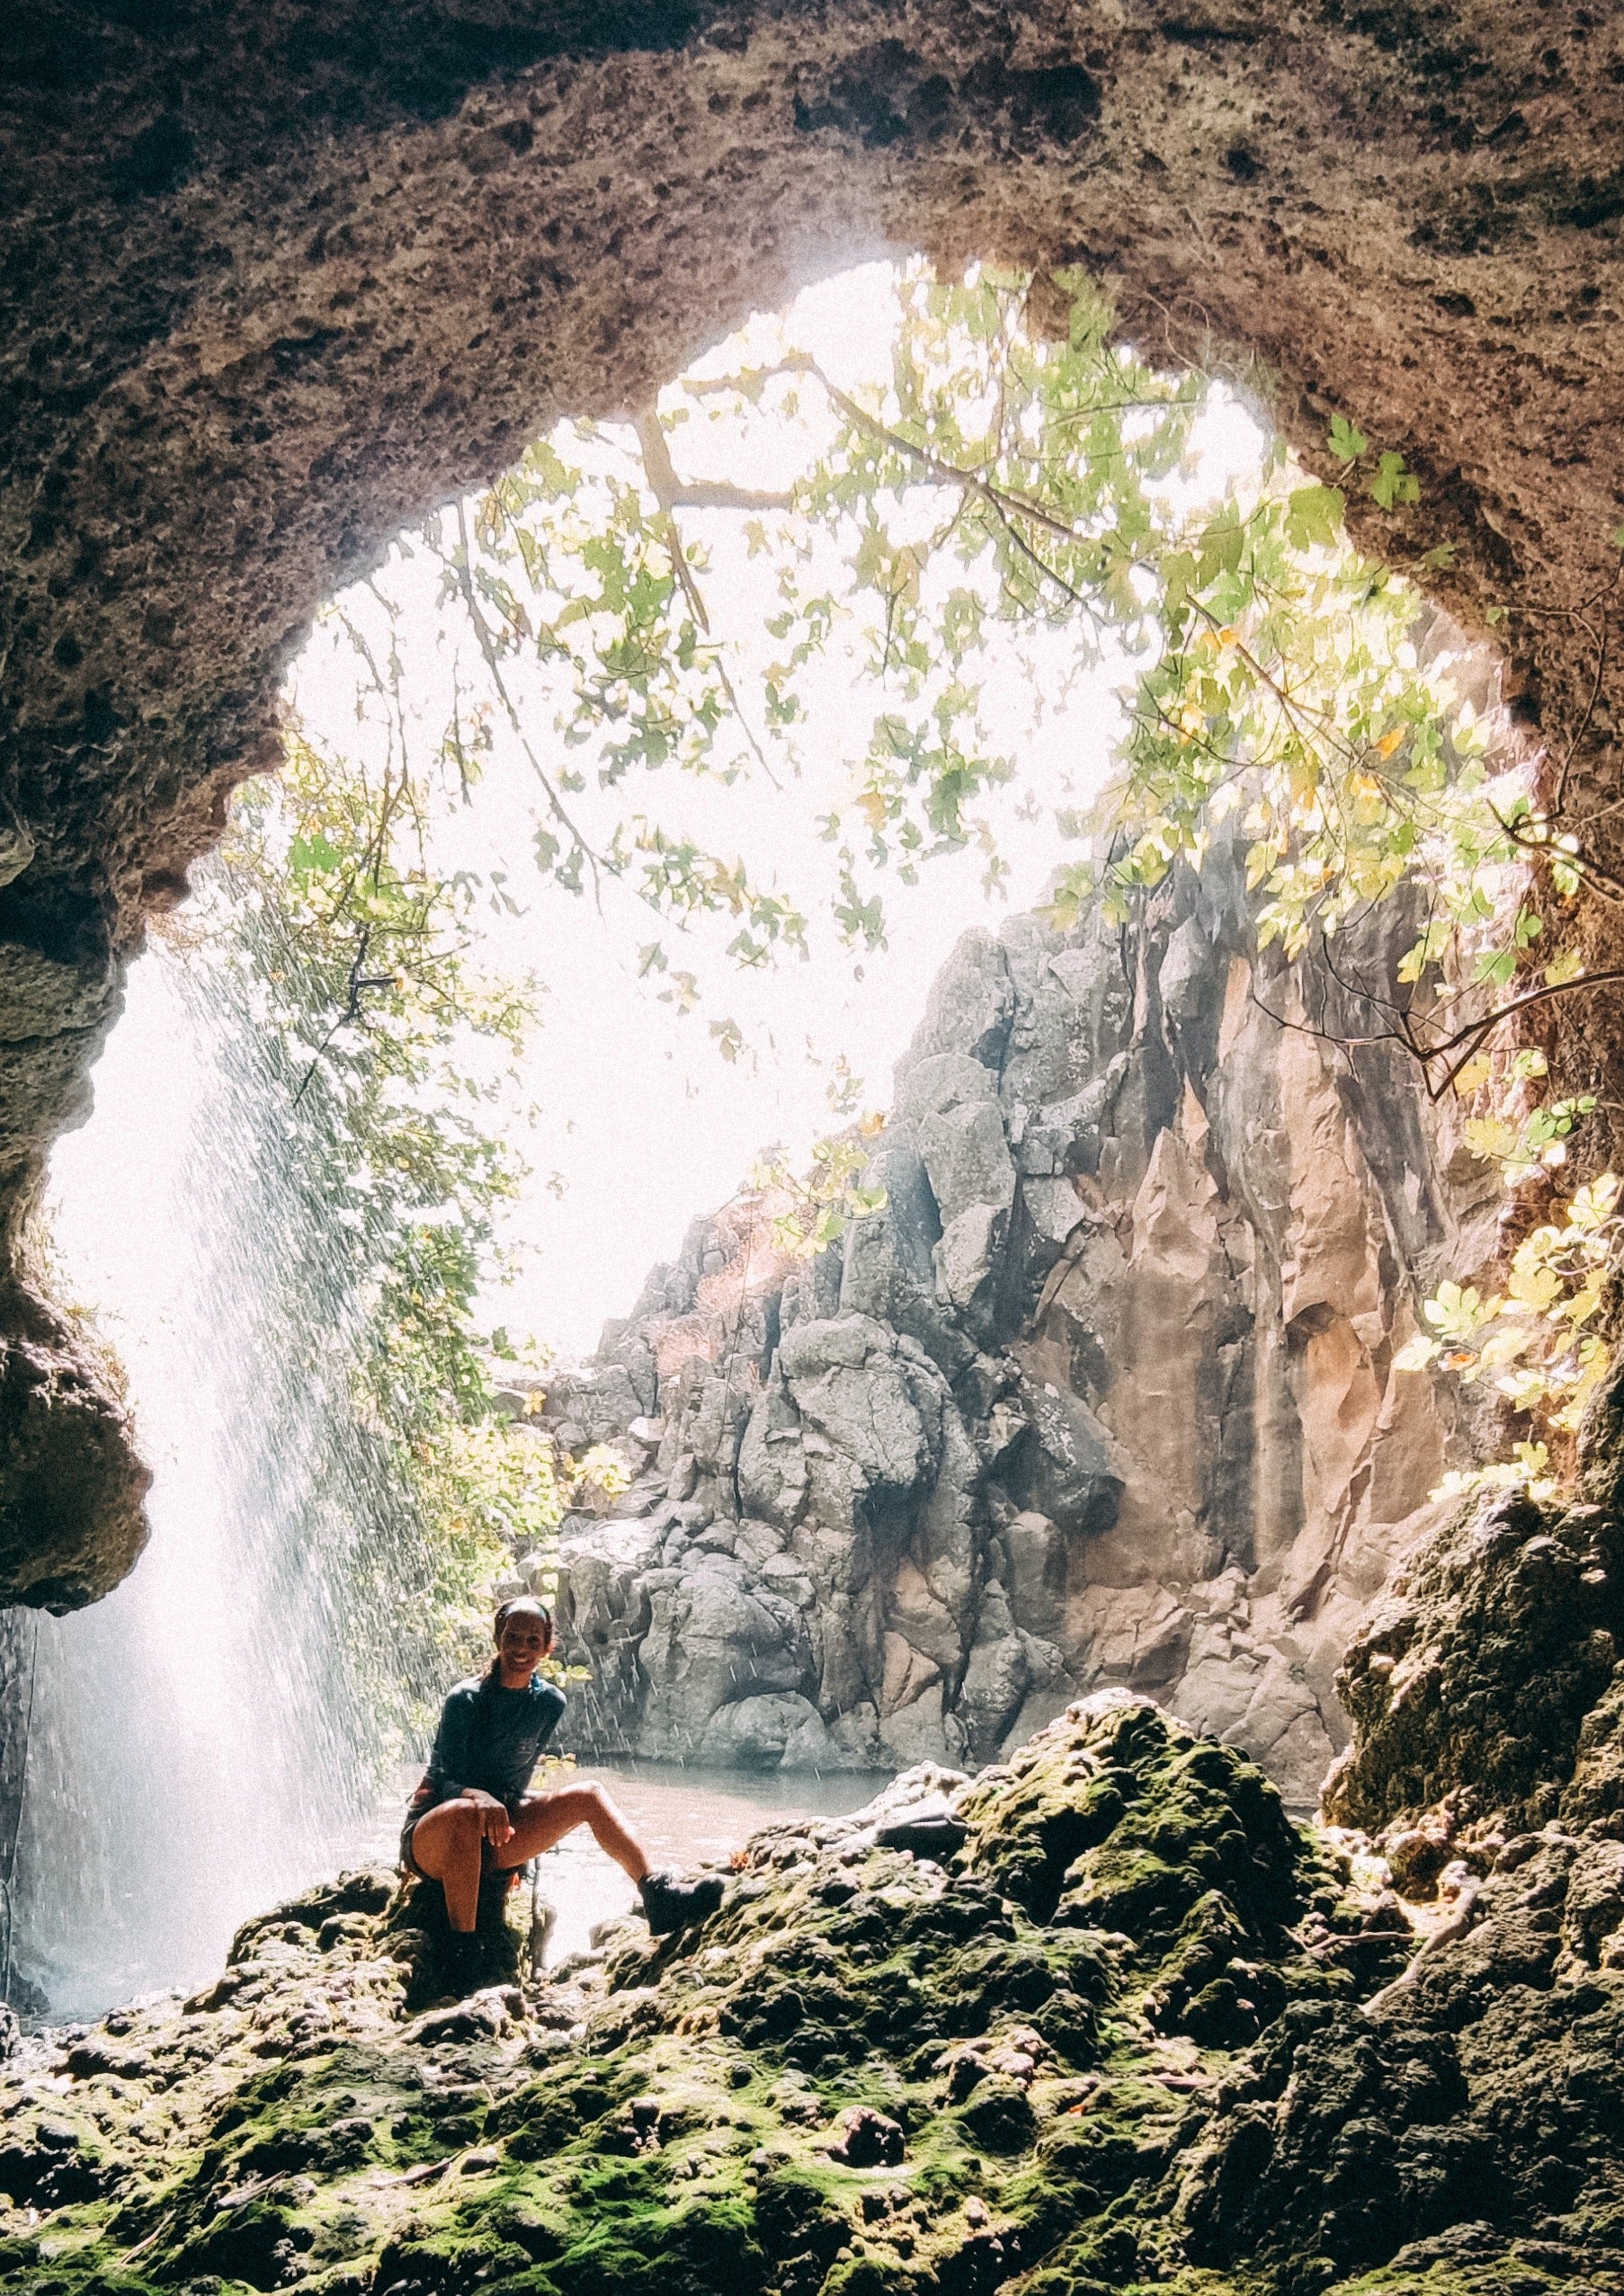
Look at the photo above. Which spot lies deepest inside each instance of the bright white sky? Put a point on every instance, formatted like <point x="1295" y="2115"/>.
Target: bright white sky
<point x="638" y="1123"/>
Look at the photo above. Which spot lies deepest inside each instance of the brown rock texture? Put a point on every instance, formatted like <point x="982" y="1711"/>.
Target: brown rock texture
<point x="277" y="278"/>
<point x="1102" y="1396"/>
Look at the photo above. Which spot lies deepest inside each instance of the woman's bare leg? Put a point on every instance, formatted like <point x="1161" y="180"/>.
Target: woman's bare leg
<point x="543" y="1819"/>
<point x="446" y="1845"/>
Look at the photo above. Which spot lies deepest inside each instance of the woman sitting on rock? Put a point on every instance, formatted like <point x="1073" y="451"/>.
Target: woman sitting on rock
<point x="473" y="1814"/>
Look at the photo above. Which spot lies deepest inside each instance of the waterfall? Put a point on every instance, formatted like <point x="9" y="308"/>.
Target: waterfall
<point x="197" y="1746"/>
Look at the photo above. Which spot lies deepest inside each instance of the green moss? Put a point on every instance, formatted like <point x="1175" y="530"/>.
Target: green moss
<point x="1057" y="2025"/>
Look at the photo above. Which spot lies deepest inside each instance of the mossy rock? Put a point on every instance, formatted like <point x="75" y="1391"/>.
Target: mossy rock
<point x="1114" y="2042"/>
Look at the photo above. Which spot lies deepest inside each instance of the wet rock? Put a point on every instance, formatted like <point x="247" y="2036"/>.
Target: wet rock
<point x="784" y="1731"/>
<point x="716" y="1637"/>
<point x="1483" y="1680"/>
<point x="928" y="1828"/>
<point x="485" y="2015"/>
<point x="870" y="2140"/>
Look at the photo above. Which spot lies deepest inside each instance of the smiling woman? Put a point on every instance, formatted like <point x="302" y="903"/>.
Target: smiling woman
<point x="473" y="1821"/>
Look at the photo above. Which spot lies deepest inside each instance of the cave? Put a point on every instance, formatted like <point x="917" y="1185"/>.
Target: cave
<point x="275" y="287"/>
<point x="280" y="281"/>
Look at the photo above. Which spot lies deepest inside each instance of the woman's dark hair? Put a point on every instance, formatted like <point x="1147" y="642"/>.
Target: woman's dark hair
<point x="530" y="1608"/>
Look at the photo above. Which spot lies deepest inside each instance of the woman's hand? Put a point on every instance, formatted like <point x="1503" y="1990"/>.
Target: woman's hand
<point x="497" y="1826"/>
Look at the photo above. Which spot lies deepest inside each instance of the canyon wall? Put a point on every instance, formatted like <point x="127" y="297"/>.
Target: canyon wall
<point x="1101" y="1395"/>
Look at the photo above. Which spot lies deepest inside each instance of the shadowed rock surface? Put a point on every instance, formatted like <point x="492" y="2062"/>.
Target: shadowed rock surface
<point x="1138" y="2032"/>
<point x="1102" y="1394"/>
<point x="1487" y="1687"/>
<point x="280" y="278"/>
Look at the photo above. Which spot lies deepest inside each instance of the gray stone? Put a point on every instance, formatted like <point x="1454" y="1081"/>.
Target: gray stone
<point x="714" y="1638"/>
<point x="922" y="1732"/>
<point x="1036" y="1552"/>
<point x="1189" y="973"/>
<point x="853" y="1739"/>
<point x="888" y="1271"/>
<point x="595" y="1402"/>
<point x="970" y="1009"/>
<point x="753" y="1734"/>
<point x="939" y="1081"/>
<point x="967" y="1159"/>
<point x="969" y="1252"/>
<point x="1073" y="1474"/>
<point x="757" y="1542"/>
<point x="995" y="1676"/>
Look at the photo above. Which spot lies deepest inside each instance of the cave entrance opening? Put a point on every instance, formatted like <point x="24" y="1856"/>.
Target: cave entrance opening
<point x="486" y="710"/>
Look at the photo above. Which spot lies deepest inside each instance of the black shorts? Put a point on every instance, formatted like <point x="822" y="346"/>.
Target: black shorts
<point x="407" y="1862"/>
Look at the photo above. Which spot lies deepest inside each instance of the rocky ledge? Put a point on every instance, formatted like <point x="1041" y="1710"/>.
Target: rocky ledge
<point x="1102" y="2018"/>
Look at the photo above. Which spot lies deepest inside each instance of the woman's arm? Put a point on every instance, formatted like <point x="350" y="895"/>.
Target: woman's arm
<point x="556" y="1702"/>
<point x="448" y="1762"/>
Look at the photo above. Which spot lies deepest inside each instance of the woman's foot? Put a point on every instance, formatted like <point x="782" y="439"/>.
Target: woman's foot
<point x="671" y="1904"/>
<point x="465" y="1964"/>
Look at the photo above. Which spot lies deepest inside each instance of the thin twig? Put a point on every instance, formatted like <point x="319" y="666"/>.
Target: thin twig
<point x="1464" y="1041"/>
<point x="668" y="492"/>
<point x="360" y="983"/>
<point x="463" y="568"/>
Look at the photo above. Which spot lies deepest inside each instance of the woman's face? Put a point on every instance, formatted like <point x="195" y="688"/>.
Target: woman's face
<point x="522" y="1643"/>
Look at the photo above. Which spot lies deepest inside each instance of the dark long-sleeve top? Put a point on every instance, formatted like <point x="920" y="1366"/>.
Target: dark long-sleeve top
<point x="492" y="1737"/>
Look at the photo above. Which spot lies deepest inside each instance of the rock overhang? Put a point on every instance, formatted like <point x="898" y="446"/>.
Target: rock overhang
<point x="278" y="285"/>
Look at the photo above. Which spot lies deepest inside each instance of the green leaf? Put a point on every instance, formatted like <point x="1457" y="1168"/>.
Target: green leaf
<point x="1347" y="442"/>
<point x="1223" y="539"/>
<point x="1392" y="484"/>
<point x="1313" y="515"/>
<point x="313" y="855"/>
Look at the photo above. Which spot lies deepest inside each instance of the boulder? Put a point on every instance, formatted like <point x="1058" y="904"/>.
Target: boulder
<point x="1070" y="1465"/>
<point x="922" y="1731"/>
<point x="783" y="1730"/>
<point x="995" y="1678"/>
<point x="716" y="1637"/>
<point x="1485" y="1679"/>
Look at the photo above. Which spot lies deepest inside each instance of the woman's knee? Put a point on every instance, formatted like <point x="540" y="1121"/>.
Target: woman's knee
<point x="573" y="1804"/>
<point x="453" y="1828"/>
<point x="582" y="1805"/>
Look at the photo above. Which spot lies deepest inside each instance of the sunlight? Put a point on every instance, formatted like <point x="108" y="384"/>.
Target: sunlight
<point x="637" y="1121"/>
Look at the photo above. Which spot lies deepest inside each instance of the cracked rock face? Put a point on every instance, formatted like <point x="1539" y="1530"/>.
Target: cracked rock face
<point x="278" y="282"/>
<point x="1103" y="2019"/>
<point x="1102" y="1394"/>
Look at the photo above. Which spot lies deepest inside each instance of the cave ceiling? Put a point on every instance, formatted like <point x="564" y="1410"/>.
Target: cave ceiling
<point x="278" y="279"/>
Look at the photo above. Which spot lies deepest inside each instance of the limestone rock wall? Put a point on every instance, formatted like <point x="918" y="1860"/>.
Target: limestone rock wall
<point x="1102" y="1396"/>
